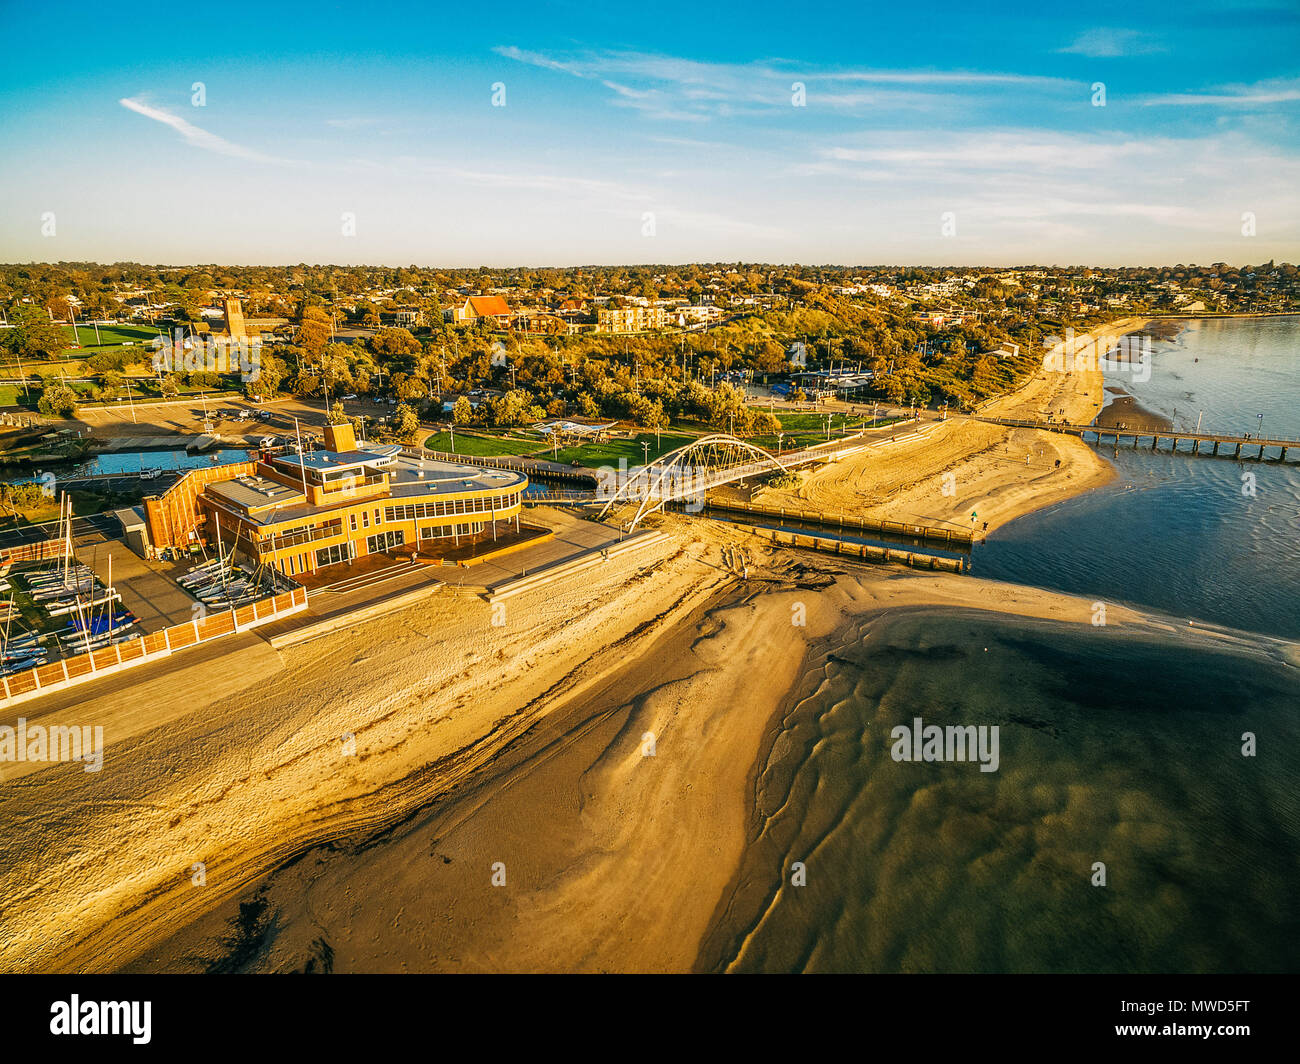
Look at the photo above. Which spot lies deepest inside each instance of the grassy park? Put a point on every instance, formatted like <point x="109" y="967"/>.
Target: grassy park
<point x="475" y="446"/>
<point x="108" y="336"/>
<point x="610" y="451"/>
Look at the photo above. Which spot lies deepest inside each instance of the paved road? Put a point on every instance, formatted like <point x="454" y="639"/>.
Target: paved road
<point x="93" y="528"/>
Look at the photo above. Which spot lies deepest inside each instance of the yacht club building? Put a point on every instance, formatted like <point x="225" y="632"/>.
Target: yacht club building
<point x="300" y="513"/>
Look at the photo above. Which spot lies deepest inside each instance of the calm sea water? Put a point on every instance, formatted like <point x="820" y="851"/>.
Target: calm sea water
<point x="1115" y="749"/>
<point x="1179" y="533"/>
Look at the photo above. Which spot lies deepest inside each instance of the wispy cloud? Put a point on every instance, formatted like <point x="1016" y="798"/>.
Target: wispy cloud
<point x="1112" y="44"/>
<point x="199" y="138"/>
<point x="997" y="151"/>
<point x="1260" y="94"/>
<point x="673" y="87"/>
<point x="1030" y="178"/>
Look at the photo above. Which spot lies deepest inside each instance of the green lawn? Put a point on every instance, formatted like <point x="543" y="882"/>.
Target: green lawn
<point x="481" y="446"/>
<point x="111" y="338"/>
<point x="608" y="453"/>
<point x="805" y="434"/>
<point x="109" y="335"/>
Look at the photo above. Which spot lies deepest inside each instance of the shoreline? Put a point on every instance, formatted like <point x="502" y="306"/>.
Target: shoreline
<point x="443" y="707"/>
<point x="621" y="862"/>
<point x="952" y="469"/>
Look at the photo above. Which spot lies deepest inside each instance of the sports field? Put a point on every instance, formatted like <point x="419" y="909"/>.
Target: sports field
<point x="480" y="446"/>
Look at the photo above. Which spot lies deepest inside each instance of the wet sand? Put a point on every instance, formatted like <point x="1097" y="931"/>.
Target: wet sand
<point x="1125" y="412"/>
<point x="614" y="859"/>
<point x="574" y="848"/>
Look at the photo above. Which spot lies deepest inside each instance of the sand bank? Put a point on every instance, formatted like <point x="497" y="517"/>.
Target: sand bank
<point x="614" y="858"/>
<point x="960" y="466"/>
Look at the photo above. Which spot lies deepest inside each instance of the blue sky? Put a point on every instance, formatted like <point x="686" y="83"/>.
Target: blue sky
<point x="651" y="133"/>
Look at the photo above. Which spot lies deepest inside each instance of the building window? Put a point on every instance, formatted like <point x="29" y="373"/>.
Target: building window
<point x="332" y="555"/>
<point x="365" y="518"/>
<point x="353" y="519"/>
<point x="385" y="541"/>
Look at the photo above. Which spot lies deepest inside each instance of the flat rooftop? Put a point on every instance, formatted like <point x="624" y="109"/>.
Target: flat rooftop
<point x="270" y="502"/>
<point x="422" y="476"/>
<point x="334" y="461"/>
<point x="254" y="493"/>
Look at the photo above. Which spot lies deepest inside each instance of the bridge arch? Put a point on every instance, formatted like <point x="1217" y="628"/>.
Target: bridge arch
<point x="721" y="457"/>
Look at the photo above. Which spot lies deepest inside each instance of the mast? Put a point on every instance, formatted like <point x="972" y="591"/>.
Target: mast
<point x="67" y="535"/>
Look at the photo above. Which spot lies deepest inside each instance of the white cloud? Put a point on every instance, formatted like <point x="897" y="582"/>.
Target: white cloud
<point x="1112" y="44"/>
<point x="1260" y="94"/>
<point x="199" y="138"/>
<point x="671" y="87"/>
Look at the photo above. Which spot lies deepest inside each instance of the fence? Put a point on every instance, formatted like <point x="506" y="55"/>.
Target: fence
<point x="31" y="552"/>
<point x="57" y="675"/>
<point x="515" y="464"/>
<point x="953" y="537"/>
<point x="865" y="551"/>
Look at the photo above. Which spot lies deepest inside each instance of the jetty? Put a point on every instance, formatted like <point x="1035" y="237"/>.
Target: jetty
<point x="1203" y="444"/>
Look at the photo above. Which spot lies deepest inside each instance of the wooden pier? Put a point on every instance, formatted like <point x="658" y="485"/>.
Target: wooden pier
<point x="1204" y="444"/>
<point x="959" y="539"/>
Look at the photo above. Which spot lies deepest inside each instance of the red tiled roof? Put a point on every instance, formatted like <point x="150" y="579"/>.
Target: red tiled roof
<point x="488" y="306"/>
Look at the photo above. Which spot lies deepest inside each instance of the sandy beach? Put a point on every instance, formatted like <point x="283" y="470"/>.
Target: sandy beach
<point x="434" y="791"/>
<point x="940" y="474"/>
<point x="576" y="848"/>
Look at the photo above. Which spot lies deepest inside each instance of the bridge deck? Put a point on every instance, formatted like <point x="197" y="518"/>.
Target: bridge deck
<point x="1175" y="436"/>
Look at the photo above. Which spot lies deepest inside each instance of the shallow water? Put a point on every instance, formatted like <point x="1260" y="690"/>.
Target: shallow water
<point x="1112" y="749"/>
<point x="1182" y="534"/>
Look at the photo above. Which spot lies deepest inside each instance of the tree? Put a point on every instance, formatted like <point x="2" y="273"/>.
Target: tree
<point x="169" y="386"/>
<point x="314" y="332"/>
<point x="35" y="336"/>
<point x="462" y="413"/>
<point x="405" y="424"/>
<point x="265" y="377"/>
<point x="389" y="344"/>
<point x="337" y="416"/>
<point x="58" y="400"/>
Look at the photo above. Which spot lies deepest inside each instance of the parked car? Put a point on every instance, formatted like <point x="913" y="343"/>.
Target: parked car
<point x="348" y="397"/>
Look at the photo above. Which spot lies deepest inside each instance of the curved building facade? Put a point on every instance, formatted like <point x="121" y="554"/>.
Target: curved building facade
<point x="302" y="513"/>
